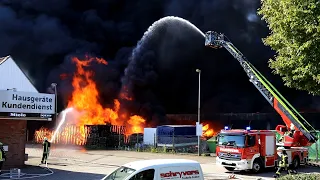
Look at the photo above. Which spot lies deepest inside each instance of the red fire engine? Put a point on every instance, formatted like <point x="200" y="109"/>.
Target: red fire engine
<point x="246" y="149"/>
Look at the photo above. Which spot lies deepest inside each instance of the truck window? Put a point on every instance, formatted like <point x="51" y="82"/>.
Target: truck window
<point x="231" y="140"/>
<point x="120" y="174"/>
<point x="251" y="141"/>
<point x="144" y="175"/>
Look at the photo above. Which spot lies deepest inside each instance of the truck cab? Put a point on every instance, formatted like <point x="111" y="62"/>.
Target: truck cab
<point x="240" y="149"/>
<point x="158" y="169"/>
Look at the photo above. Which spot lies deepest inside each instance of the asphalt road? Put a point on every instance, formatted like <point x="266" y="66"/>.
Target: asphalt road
<point x="67" y="163"/>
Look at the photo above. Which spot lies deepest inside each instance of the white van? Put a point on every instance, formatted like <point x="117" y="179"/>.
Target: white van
<point x="158" y="169"/>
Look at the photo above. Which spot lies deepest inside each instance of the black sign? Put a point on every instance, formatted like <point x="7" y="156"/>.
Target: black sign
<point x="17" y="115"/>
<point x="45" y="115"/>
<point x="25" y="115"/>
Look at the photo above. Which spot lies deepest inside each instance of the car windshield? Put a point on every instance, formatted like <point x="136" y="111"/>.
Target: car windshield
<point x="231" y="140"/>
<point x="120" y="174"/>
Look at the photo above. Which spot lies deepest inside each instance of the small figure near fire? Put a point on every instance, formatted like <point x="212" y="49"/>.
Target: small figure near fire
<point x="2" y="156"/>
<point x="46" y="150"/>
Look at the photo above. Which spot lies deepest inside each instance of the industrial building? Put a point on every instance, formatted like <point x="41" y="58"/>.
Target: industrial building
<point x="20" y="102"/>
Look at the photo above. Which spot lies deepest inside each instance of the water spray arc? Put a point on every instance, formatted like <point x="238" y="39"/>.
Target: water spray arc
<point x="63" y="119"/>
<point x="163" y="34"/>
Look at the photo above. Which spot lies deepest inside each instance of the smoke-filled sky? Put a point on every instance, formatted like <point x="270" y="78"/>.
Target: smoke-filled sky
<point x="42" y="35"/>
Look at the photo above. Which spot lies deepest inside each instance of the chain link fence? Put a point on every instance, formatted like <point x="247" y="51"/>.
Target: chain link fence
<point x="181" y="144"/>
<point x="162" y="144"/>
<point x="114" y="141"/>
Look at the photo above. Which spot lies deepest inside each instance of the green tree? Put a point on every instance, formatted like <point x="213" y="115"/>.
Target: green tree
<point x="295" y="36"/>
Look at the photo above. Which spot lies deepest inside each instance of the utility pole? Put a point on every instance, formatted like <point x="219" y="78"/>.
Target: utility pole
<point x="199" y="71"/>
<point x="56" y="99"/>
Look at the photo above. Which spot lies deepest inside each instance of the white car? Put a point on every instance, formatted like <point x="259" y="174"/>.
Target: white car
<point x="158" y="169"/>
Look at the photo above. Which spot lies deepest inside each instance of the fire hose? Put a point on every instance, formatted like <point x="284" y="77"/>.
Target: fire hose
<point x="209" y="176"/>
<point x="20" y="175"/>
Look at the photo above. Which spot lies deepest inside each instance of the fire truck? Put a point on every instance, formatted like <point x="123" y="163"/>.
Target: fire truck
<point x="246" y="149"/>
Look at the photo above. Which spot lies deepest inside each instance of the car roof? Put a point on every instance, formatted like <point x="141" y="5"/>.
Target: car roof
<point x="242" y="131"/>
<point x="158" y="162"/>
<point x="177" y="126"/>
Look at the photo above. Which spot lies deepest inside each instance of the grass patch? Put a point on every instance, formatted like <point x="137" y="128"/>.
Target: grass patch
<point x="301" y="177"/>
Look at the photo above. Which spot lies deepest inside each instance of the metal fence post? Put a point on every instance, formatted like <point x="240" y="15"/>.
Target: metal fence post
<point x="137" y="138"/>
<point x="154" y="140"/>
<point x="317" y="155"/>
<point x="173" y="141"/>
<point x="119" y="140"/>
<point x="138" y="145"/>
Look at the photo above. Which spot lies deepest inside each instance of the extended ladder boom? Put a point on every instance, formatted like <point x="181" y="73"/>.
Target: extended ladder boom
<point x="288" y="113"/>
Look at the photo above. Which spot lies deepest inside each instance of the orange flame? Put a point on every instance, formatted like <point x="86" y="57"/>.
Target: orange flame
<point x="207" y="131"/>
<point x="68" y="135"/>
<point x="85" y="100"/>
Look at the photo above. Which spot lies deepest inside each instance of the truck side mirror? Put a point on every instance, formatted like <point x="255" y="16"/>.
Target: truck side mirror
<point x="251" y="141"/>
<point x="247" y="141"/>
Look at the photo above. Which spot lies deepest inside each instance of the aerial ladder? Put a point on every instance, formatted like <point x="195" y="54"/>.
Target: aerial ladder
<point x="301" y="133"/>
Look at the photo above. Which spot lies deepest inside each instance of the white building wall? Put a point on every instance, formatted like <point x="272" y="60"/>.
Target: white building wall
<point x="149" y="136"/>
<point x="11" y="76"/>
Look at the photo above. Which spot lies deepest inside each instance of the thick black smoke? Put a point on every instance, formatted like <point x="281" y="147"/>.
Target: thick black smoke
<point x="168" y="48"/>
<point x="42" y="35"/>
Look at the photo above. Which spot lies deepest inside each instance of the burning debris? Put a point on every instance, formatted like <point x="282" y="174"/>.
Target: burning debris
<point x="88" y="110"/>
<point x="208" y="132"/>
<point x="73" y="134"/>
<point x="70" y="134"/>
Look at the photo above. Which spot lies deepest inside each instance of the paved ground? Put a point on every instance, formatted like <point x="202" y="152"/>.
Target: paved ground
<point x="67" y="163"/>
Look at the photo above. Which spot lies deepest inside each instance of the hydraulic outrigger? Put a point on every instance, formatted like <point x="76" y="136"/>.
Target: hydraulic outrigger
<point x="304" y="134"/>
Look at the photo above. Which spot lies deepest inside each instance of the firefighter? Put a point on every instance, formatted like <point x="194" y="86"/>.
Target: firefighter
<point x="2" y="156"/>
<point x="46" y="150"/>
<point x="291" y="131"/>
<point x="283" y="164"/>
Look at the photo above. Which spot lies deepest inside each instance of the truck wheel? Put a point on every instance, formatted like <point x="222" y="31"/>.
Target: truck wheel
<point x="295" y="163"/>
<point x="256" y="166"/>
<point x="230" y="168"/>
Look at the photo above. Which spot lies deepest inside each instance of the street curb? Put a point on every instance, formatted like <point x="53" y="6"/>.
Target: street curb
<point x="312" y="163"/>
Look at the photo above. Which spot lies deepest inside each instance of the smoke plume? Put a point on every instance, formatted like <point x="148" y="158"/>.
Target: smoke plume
<point x="170" y="45"/>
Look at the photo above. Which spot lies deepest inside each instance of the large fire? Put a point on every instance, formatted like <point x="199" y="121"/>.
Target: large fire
<point x="88" y="110"/>
<point x="85" y="99"/>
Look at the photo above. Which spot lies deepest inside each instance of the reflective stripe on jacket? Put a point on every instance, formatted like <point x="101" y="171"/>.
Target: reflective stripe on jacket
<point x="284" y="161"/>
<point x="46" y="147"/>
<point x="2" y="154"/>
